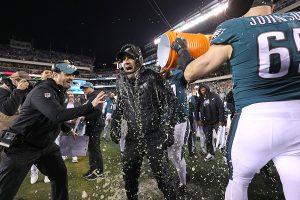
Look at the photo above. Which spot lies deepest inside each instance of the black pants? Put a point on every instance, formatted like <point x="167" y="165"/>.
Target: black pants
<point x="208" y="131"/>
<point x="17" y="161"/>
<point x="134" y="153"/>
<point x="95" y="155"/>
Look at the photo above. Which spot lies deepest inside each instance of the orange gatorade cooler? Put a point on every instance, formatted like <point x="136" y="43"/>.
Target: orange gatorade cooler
<point x="197" y="44"/>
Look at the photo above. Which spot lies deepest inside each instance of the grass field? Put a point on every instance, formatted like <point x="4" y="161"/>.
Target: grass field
<point x="208" y="181"/>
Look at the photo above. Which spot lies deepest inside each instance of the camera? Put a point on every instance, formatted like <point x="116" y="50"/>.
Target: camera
<point x="7" y="82"/>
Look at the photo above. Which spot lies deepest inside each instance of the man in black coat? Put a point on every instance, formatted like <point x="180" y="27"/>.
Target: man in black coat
<point x="147" y="103"/>
<point x="41" y="119"/>
<point x="212" y="116"/>
<point x="94" y="127"/>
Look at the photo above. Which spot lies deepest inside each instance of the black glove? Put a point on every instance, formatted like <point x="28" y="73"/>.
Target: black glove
<point x="184" y="57"/>
<point x="178" y="45"/>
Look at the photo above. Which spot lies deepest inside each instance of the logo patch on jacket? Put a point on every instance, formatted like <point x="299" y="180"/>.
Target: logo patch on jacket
<point x="47" y="95"/>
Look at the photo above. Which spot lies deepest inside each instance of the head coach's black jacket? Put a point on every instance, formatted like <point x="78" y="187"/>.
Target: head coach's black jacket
<point x="43" y="115"/>
<point x="147" y="104"/>
<point x="211" y="107"/>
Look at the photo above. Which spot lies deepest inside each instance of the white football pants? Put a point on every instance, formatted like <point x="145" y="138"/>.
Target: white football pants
<point x="265" y="131"/>
<point x="175" y="151"/>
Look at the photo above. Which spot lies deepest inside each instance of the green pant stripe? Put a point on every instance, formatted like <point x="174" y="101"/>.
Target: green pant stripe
<point x="230" y="139"/>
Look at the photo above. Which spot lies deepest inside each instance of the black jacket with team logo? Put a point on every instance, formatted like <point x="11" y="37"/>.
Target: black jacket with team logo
<point x="43" y="115"/>
<point x="147" y="104"/>
<point x="211" y="107"/>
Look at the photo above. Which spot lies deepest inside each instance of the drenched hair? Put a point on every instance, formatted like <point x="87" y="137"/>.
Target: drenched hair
<point x="262" y="3"/>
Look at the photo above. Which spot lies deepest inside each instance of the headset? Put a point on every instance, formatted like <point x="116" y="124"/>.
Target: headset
<point x="132" y="50"/>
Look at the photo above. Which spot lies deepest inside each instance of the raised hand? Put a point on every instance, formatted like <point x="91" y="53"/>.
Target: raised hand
<point x="99" y="99"/>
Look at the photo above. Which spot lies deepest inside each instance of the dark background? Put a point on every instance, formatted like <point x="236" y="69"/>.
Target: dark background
<point x="90" y="27"/>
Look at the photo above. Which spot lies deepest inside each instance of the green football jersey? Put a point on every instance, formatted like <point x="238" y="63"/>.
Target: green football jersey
<point x="265" y="61"/>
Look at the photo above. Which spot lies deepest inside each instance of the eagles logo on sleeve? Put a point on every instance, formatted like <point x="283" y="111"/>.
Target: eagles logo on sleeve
<point x="217" y="33"/>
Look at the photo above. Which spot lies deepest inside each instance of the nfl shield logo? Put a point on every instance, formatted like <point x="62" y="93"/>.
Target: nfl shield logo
<point x="47" y="95"/>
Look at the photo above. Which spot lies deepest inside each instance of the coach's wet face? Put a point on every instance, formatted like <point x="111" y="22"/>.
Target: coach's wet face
<point x="129" y="64"/>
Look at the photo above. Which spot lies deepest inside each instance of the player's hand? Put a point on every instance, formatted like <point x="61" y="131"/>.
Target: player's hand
<point x="184" y="57"/>
<point x="23" y="84"/>
<point x="178" y="44"/>
<point x="99" y="99"/>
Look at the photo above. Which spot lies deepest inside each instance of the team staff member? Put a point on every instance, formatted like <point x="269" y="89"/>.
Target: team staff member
<point x="41" y="118"/>
<point x="94" y="127"/>
<point x="12" y="94"/>
<point x="212" y="116"/>
<point x="264" y="59"/>
<point x="147" y="103"/>
<point x="193" y="103"/>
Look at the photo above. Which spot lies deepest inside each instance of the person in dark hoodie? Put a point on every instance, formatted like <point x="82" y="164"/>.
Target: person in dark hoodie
<point x="41" y="119"/>
<point x="212" y="116"/>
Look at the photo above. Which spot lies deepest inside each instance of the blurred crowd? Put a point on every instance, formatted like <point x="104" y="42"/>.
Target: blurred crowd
<point x="43" y="56"/>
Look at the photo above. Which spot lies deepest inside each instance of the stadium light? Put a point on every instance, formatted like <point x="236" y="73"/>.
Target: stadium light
<point x="197" y="19"/>
<point x="156" y="41"/>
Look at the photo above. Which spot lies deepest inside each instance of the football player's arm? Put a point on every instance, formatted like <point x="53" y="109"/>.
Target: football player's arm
<point x="208" y="62"/>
